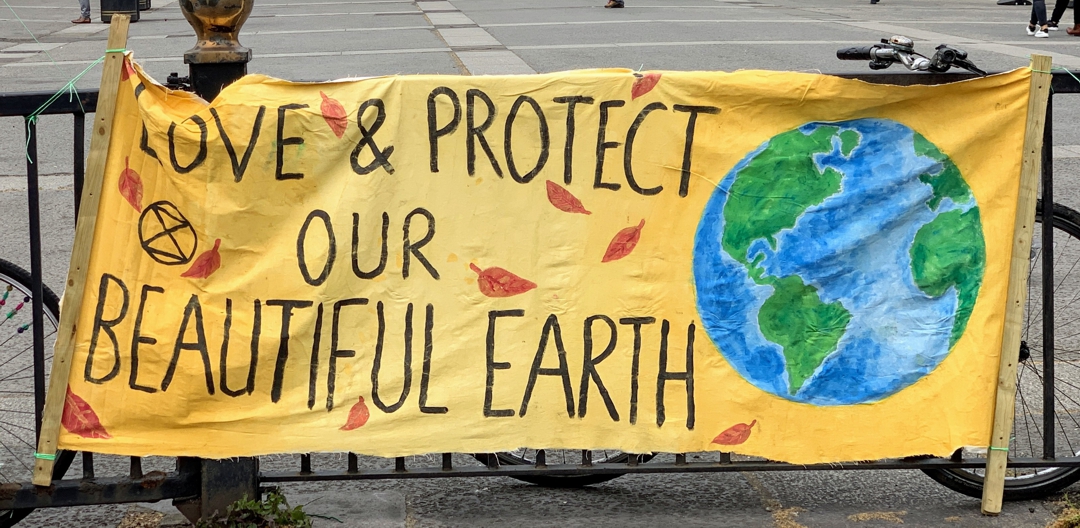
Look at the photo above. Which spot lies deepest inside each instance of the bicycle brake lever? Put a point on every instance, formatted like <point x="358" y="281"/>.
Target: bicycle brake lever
<point x="969" y="66"/>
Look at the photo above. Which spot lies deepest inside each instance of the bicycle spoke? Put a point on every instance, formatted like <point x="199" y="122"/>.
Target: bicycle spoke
<point x="23" y="427"/>
<point x="1023" y="402"/>
<point x="17" y="437"/>
<point x="16" y="457"/>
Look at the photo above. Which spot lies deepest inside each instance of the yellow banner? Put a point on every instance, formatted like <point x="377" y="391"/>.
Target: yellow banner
<point x="787" y="265"/>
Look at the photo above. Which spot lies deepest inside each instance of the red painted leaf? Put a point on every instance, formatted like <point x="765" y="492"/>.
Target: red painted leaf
<point x="644" y="84"/>
<point x="735" y="434"/>
<point x="563" y="200"/>
<point x="206" y="263"/>
<point x="131" y="186"/>
<point x="358" y="416"/>
<point x="334" y="114"/>
<point x="624" y="242"/>
<point x="497" y="282"/>
<point x="127" y="70"/>
<point x="78" y="418"/>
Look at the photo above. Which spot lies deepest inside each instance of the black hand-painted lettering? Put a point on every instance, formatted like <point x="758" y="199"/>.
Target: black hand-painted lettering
<point x="551" y="327"/>
<point x="331" y="252"/>
<point x="413" y="249"/>
<point x="239" y="167"/>
<point x="571" y="102"/>
<point x="637" y="322"/>
<point x="356" y="241"/>
<point x="544" y="139"/>
<point x="493" y="365"/>
<point x="287" y="306"/>
<point x="144" y="145"/>
<point x="425" y="376"/>
<point x="223" y="375"/>
<point x="476" y="133"/>
<point x="664" y="375"/>
<point x="313" y="365"/>
<point x="282" y="142"/>
<point x="193" y="308"/>
<point x="602" y="145"/>
<point x="138" y="338"/>
<point x="588" y="368"/>
<point x="335" y="353"/>
<point x="434" y="131"/>
<point x="628" y="152"/>
<point x="200" y="157"/>
<point x="105" y="325"/>
<point x="367" y="140"/>
<point x="684" y="179"/>
<point x="256" y="330"/>
<point x="406" y="361"/>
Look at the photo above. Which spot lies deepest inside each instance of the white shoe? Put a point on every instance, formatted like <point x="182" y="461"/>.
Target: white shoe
<point x="1041" y="33"/>
<point x="1031" y="30"/>
<point x="1052" y="26"/>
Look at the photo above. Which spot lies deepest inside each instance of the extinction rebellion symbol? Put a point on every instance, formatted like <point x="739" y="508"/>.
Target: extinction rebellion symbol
<point x="166" y="235"/>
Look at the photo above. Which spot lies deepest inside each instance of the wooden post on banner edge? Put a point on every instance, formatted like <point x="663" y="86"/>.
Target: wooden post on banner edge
<point x="998" y="454"/>
<point x="80" y="254"/>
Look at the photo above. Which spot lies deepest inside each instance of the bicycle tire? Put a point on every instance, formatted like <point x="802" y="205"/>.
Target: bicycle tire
<point x="15" y="334"/>
<point x="1027" y="484"/>
<point x="521" y="458"/>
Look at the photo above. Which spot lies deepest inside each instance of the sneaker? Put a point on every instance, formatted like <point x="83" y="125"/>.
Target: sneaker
<point x="1041" y="33"/>
<point x="614" y="4"/>
<point x="1030" y="30"/>
<point x="1052" y="26"/>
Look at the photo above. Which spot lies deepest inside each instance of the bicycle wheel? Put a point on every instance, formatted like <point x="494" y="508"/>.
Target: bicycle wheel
<point x="18" y="425"/>
<point x="554" y="457"/>
<point x="1028" y="427"/>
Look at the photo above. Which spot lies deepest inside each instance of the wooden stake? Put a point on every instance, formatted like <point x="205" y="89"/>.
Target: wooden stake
<point x="994" y="481"/>
<point x="80" y="254"/>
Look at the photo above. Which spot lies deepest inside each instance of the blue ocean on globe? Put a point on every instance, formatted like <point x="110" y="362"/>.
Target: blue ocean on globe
<point x="829" y="232"/>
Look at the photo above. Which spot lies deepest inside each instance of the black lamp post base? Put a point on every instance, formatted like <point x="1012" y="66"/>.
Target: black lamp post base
<point x="207" y="80"/>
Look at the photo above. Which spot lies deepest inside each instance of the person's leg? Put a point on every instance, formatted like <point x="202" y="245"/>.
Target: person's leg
<point x="84" y="15"/>
<point x="1038" y="12"/>
<point x="1059" y="11"/>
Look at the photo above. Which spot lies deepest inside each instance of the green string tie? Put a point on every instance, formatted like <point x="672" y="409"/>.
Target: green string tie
<point x="43" y="456"/>
<point x="68" y="87"/>
<point x="1068" y="71"/>
<point x="1005" y="449"/>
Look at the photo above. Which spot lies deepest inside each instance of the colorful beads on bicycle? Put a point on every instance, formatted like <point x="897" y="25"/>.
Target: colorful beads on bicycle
<point x="22" y="328"/>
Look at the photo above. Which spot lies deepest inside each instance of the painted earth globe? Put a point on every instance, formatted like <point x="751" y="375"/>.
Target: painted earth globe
<point x="838" y="263"/>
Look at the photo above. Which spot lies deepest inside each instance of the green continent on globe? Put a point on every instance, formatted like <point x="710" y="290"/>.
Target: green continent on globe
<point x="776" y="188"/>
<point x="769" y="195"/>
<point x="808" y="330"/>
<point x="949" y="251"/>
<point x="946" y="184"/>
<point x="849" y="139"/>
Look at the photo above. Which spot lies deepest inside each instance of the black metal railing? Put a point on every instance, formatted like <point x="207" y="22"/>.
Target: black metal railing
<point x="185" y="481"/>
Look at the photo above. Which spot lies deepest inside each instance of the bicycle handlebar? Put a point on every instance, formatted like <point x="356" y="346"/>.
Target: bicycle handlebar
<point x="859" y="53"/>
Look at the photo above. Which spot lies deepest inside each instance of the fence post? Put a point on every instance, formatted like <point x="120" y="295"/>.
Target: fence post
<point x="216" y="61"/>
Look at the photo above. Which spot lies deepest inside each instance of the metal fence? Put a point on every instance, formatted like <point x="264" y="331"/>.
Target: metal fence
<point x="216" y="483"/>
